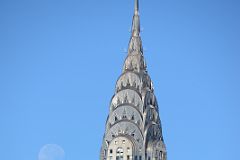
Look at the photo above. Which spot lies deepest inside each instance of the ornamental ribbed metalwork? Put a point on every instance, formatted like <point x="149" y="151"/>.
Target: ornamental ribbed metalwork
<point x="133" y="127"/>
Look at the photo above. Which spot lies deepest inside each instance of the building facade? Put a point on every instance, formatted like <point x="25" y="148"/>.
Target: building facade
<point x="133" y="127"/>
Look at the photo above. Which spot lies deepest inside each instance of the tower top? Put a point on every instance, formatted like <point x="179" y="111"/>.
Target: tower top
<point x="133" y="127"/>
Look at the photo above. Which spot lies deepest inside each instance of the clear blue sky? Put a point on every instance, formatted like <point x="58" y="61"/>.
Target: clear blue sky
<point x="59" y="61"/>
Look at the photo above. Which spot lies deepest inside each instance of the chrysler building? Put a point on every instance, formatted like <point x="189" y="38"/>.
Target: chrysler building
<point x="133" y="127"/>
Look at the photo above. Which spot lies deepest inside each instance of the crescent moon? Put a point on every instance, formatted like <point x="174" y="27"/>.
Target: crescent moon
<point x="51" y="152"/>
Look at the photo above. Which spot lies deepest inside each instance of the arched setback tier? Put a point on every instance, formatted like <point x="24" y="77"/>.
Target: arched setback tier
<point x="157" y="150"/>
<point x="126" y="128"/>
<point x="152" y="132"/>
<point x="151" y="115"/>
<point x="129" y="80"/>
<point x="134" y="62"/>
<point x="150" y="100"/>
<point x="135" y="46"/>
<point x="122" y="146"/>
<point x="125" y="112"/>
<point x="135" y="80"/>
<point x="127" y="96"/>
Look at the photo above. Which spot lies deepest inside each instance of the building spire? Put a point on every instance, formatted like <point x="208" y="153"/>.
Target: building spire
<point x="133" y="127"/>
<point x="136" y="21"/>
<point x="136" y="7"/>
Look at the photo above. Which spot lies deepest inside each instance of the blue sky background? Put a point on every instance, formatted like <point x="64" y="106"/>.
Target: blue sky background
<point x="59" y="61"/>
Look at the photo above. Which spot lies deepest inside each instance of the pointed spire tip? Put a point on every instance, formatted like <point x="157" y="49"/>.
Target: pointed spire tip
<point x="136" y="7"/>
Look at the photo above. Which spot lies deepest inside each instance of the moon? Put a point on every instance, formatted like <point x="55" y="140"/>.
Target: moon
<point x="51" y="152"/>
